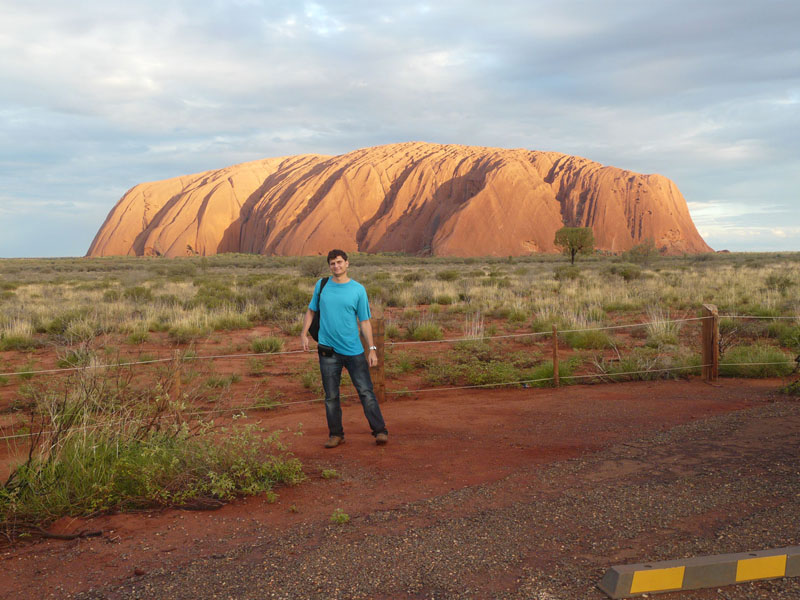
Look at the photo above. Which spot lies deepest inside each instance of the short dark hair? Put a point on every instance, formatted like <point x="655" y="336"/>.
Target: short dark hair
<point x="334" y="253"/>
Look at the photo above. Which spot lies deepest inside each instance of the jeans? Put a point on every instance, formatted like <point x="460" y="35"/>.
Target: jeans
<point x="331" y="369"/>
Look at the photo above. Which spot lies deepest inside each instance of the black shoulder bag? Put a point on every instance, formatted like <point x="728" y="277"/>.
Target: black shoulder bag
<point x="314" y="329"/>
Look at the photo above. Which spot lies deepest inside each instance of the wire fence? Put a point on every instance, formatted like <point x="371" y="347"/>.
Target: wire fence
<point x="599" y="376"/>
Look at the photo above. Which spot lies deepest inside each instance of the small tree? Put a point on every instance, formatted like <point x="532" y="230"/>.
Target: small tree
<point x="574" y="241"/>
<point x="643" y="252"/>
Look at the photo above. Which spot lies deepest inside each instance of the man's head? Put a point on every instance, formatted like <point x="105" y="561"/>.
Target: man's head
<point x="334" y="253"/>
<point x="338" y="264"/>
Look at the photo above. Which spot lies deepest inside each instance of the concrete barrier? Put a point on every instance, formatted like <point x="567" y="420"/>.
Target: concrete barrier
<point x="626" y="581"/>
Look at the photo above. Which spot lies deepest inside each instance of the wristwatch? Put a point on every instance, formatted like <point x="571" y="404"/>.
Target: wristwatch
<point x="373" y="347"/>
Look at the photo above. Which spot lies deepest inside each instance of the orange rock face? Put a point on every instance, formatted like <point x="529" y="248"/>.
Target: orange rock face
<point x="417" y="198"/>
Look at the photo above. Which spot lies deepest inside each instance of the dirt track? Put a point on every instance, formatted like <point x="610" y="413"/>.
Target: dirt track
<point x="504" y="493"/>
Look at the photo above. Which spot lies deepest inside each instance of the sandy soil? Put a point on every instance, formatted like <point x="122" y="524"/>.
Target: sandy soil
<point x="491" y="445"/>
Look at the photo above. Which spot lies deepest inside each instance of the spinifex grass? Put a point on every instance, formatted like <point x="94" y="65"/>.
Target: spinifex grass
<point x="105" y="444"/>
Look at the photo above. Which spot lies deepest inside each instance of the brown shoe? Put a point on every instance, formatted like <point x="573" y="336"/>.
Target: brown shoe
<point x="334" y="441"/>
<point x="381" y="439"/>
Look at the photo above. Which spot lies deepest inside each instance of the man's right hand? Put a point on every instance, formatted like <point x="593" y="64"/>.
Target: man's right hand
<point x="304" y="341"/>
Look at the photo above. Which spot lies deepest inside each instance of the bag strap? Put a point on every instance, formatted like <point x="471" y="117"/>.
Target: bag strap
<point x="319" y="298"/>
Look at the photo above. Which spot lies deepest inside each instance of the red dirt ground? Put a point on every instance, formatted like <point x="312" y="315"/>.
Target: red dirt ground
<point x="439" y="442"/>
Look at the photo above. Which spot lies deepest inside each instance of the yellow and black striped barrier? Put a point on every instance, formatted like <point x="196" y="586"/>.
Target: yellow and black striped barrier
<point x="626" y="581"/>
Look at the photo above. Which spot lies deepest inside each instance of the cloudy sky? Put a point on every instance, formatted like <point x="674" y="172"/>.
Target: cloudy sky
<point x="98" y="95"/>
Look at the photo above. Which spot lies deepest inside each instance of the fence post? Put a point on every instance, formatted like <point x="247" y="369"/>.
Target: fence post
<point x="176" y="378"/>
<point x="378" y="371"/>
<point x="555" y="356"/>
<point x="710" y="342"/>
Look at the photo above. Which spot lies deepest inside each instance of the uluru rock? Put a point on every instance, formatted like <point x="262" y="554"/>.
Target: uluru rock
<point x="418" y="198"/>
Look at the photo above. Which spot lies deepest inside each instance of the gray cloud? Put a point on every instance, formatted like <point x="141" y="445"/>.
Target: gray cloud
<point x="99" y="96"/>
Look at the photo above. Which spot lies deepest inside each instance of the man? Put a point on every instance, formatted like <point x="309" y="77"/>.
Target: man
<point x="344" y="311"/>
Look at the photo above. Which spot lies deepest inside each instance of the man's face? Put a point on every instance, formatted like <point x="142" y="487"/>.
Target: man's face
<point x="339" y="266"/>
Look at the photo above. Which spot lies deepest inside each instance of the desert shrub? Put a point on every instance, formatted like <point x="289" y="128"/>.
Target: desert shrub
<point x="478" y="372"/>
<point x="517" y="315"/>
<point x="566" y="273"/>
<point x="288" y="296"/>
<point x="182" y="269"/>
<point x="467" y="351"/>
<point x="138" y="294"/>
<point x="423" y="294"/>
<point x="646" y="364"/>
<point x="315" y="267"/>
<point x="59" y="324"/>
<point x="98" y="455"/>
<point x="222" y="381"/>
<point x="266" y="345"/>
<point x="425" y="332"/>
<point x="19" y="342"/>
<point x="139" y="336"/>
<point x="756" y="360"/>
<point x="392" y="331"/>
<point x="544" y="323"/>
<point x="627" y="271"/>
<point x="216" y="294"/>
<point x="182" y="333"/>
<point x="662" y="330"/>
<point x="779" y="282"/>
<point x="448" y="275"/>
<point x="399" y="362"/>
<point x="792" y="389"/>
<point x="542" y="375"/>
<point x="642" y="253"/>
<point x="787" y="335"/>
<point x="414" y="276"/>
<point x="439" y="372"/>
<point x="589" y="339"/>
<point x="230" y="321"/>
<point x="112" y="296"/>
<point x="79" y="357"/>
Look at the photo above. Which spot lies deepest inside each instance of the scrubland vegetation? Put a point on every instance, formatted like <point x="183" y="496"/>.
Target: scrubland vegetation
<point x="113" y="438"/>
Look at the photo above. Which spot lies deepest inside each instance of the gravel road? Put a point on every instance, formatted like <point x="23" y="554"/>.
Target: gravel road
<point x="723" y="484"/>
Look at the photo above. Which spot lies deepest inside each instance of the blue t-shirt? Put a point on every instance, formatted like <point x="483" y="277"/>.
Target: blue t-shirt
<point x="343" y="306"/>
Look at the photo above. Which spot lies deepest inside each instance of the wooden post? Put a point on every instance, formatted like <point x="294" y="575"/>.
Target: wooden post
<point x="710" y="342"/>
<point x="176" y="381"/>
<point x="378" y="371"/>
<point x="555" y="356"/>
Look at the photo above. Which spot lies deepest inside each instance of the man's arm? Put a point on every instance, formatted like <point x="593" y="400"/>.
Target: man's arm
<point x="309" y="316"/>
<point x="366" y="331"/>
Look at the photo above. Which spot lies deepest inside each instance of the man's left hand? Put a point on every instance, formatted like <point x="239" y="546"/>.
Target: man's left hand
<point x="372" y="359"/>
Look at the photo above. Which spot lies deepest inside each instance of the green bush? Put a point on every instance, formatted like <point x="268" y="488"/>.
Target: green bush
<point x="789" y="337"/>
<point x="138" y="337"/>
<point x="80" y="357"/>
<point x="756" y="360"/>
<point x="566" y="273"/>
<point x="493" y="372"/>
<point x="648" y="364"/>
<point x="17" y="342"/>
<point x="267" y="345"/>
<point x="448" y="275"/>
<point x="627" y="271"/>
<point x="138" y="294"/>
<point x="230" y="322"/>
<point x="595" y="340"/>
<point x="110" y="445"/>
<point x="780" y="283"/>
<point x="426" y="332"/>
<point x="182" y="334"/>
<point x="542" y="375"/>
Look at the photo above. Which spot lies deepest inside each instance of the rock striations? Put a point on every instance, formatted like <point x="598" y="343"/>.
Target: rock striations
<point x="418" y="198"/>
